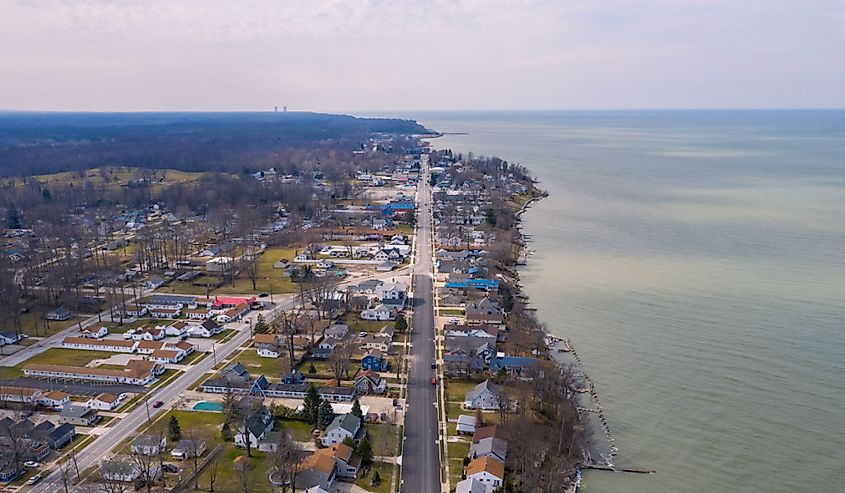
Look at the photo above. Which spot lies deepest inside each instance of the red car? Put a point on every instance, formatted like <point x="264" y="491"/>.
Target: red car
<point x="434" y="381"/>
<point x="158" y="404"/>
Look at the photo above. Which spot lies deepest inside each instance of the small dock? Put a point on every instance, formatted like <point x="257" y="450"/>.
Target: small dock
<point x="609" y="468"/>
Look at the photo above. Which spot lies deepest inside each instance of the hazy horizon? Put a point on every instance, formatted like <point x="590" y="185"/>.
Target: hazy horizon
<point x="468" y="55"/>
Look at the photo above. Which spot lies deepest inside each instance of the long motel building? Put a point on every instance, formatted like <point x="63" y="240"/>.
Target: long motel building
<point x="136" y="372"/>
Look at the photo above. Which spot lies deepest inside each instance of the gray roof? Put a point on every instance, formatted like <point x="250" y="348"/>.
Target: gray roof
<point x="348" y="422"/>
<point x="76" y="411"/>
<point x="485" y="386"/>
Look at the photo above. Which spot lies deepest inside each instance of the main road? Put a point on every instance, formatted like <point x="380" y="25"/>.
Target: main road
<point x="420" y="457"/>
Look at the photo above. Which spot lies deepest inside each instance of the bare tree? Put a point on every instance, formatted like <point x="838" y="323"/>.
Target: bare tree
<point x="212" y="468"/>
<point x="339" y="359"/>
<point x="286" y="458"/>
<point x="145" y="463"/>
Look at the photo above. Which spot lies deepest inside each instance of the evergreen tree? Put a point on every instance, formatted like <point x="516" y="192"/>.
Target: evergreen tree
<point x="13" y="219"/>
<point x="400" y="324"/>
<point x="226" y="432"/>
<point x="261" y="327"/>
<point x="376" y="479"/>
<point x="325" y="415"/>
<point x="312" y="369"/>
<point x="356" y="410"/>
<point x="174" y="430"/>
<point x="365" y="450"/>
<point x="491" y="217"/>
<point x="349" y="442"/>
<point x="311" y="406"/>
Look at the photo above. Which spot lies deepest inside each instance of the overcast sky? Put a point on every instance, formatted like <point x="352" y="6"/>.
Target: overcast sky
<point x="420" y="55"/>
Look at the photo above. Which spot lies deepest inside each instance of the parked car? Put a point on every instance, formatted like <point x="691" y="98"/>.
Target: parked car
<point x="433" y="380"/>
<point x="31" y="464"/>
<point x="34" y="479"/>
<point x="434" y="364"/>
<point x="170" y="468"/>
<point x="362" y="334"/>
<point x="263" y="295"/>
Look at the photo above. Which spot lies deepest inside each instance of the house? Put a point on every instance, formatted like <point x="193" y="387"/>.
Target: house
<point x="472" y="485"/>
<point x="267" y="345"/>
<point x="233" y="314"/>
<point x="104" y="401"/>
<point x="386" y="331"/>
<point x="154" y="282"/>
<point x="337" y="332"/>
<point x="187" y="449"/>
<point x="374" y="360"/>
<point x="316" y="471"/>
<point x="148" y="444"/>
<point x="347" y="462"/>
<point x="55" y="436"/>
<point x="94" y="332"/>
<point x="148" y="334"/>
<point x="134" y="311"/>
<point x="165" y="312"/>
<point x="208" y="328"/>
<point x="370" y="382"/>
<point x="392" y="291"/>
<point x="487" y="470"/>
<point x="19" y="394"/>
<point x="293" y="378"/>
<point x="53" y="399"/>
<point x="466" y="425"/>
<point x="180" y="301"/>
<point x="198" y="314"/>
<point x="123" y="470"/>
<point x="483" y="396"/>
<point x="9" y="337"/>
<point x="78" y="415"/>
<point x="492" y="446"/>
<point x="258" y="424"/>
<point x="8" y="468"/>
<point x="386" y="266"/>
<point x="176" y="329"/>
<point x="59" y="314"/>
<point x="379" y="312"/>
<point x="513" y="365"/>
<point x="343" y="426"/>
<point x="372" y="342"/>
<point x="167" y="356"/>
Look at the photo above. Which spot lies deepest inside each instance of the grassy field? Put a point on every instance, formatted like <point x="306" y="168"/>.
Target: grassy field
<point x="116" y="328"/>
<point x="384" y="470"/>
<point x="453" y="410"/>
<point x="457" y="451"/>
<point x="54" y="356"/>
<point x="372" y="326"/>
<point x="166" y="377"/>
<point x="268" y="277"/>
<point x="456" y="389"/>
<point x="117" y="176"/>
<point x="230" y="480"/>
<point x="446" y="312"/>
<point x="257" y="365"/>
<point x="323" y="368"/>
<point x="299" y="430"/>
<point x="193" y="358"/>
<point x="383" y="439"/>
<point x="33" y="325"/>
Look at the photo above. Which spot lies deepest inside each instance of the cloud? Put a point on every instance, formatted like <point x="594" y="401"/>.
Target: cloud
<point x="374" y="54"/>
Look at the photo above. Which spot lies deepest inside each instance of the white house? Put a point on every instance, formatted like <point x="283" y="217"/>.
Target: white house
<point x="392" y="291"/>
<point x="472" y="485"/>
<point x="258" y="425"/>
<point x="484" y="396"/>
<point x="380" y="312"/>
<point x="343" y="426"/>
<point x="148" y="444"/>
<point x="487" y="470"/>
<point x="54" y="399"/>
<point x="207" y="329"/>
<point x="95" y="332"/>
<point x="9" y="337"/>
<point x="105" y="401"/>
<point x="176" y="329"/>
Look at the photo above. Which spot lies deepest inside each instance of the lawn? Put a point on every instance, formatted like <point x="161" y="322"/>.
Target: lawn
<point x="383" y="439"/>
<point x="229" y="480"/>
<point x="299" y="430"/>
<point x="456" y="389"/>
<point x="268" y="279"/>
<point x="193" y="358"/>
<point x="67" y="357"/>
<point x="166" y="377"/>
<point x="204" y="424"/>
<point x="450" y="311"/>
<point x="385" y="471"/>
<point x="372" y="326"/>
<point x="458" y="450"/>
<point x="33" y="325"/>
<point x="456" y="471"/>
<point x="224" y="334"/>
<point x="453" y="410"/>
<point x="116" y="328"/>
<point x="323" y="368"/>
<point x="257" y="365"/>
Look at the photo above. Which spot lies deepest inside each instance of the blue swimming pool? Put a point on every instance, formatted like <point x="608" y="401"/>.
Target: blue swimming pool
<point x="215" y="407"/>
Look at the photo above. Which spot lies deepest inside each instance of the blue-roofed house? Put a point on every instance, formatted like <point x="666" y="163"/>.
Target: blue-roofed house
<point x="293" y="378"/>
<point x="374" y="360"/>
<point x="513" y="365"/>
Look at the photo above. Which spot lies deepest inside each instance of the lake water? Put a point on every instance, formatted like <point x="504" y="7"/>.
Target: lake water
<point x="697" y="262"/>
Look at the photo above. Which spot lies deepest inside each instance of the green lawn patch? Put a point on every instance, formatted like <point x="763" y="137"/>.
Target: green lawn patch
<point x="385" y="471"/>
<point x="450" y="311"/>
<point x="194" y="357"/>
<point x="67" y="357"/>
<point x="299" y="430"/>
<point x="270" y="367"/>
<point x="456" y="390"/>
<point x="453" y="409"/>
<point x="383" y="439"/>
<point x="166" y="377"/>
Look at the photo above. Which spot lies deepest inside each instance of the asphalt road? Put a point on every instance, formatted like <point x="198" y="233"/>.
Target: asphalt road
<point x="420" y="457"/>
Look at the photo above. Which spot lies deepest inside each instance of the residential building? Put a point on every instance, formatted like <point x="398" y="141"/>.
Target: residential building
<point x="343" y="426"/>
<point x="79" y="415"/>
<point x="148" y="444"/>
<point x="374" y="360"/>
<point x="484" y="396"/>
<point x="370" y="382"/>
<point x="104" y="401"/>
<point x="487" y="470"/>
